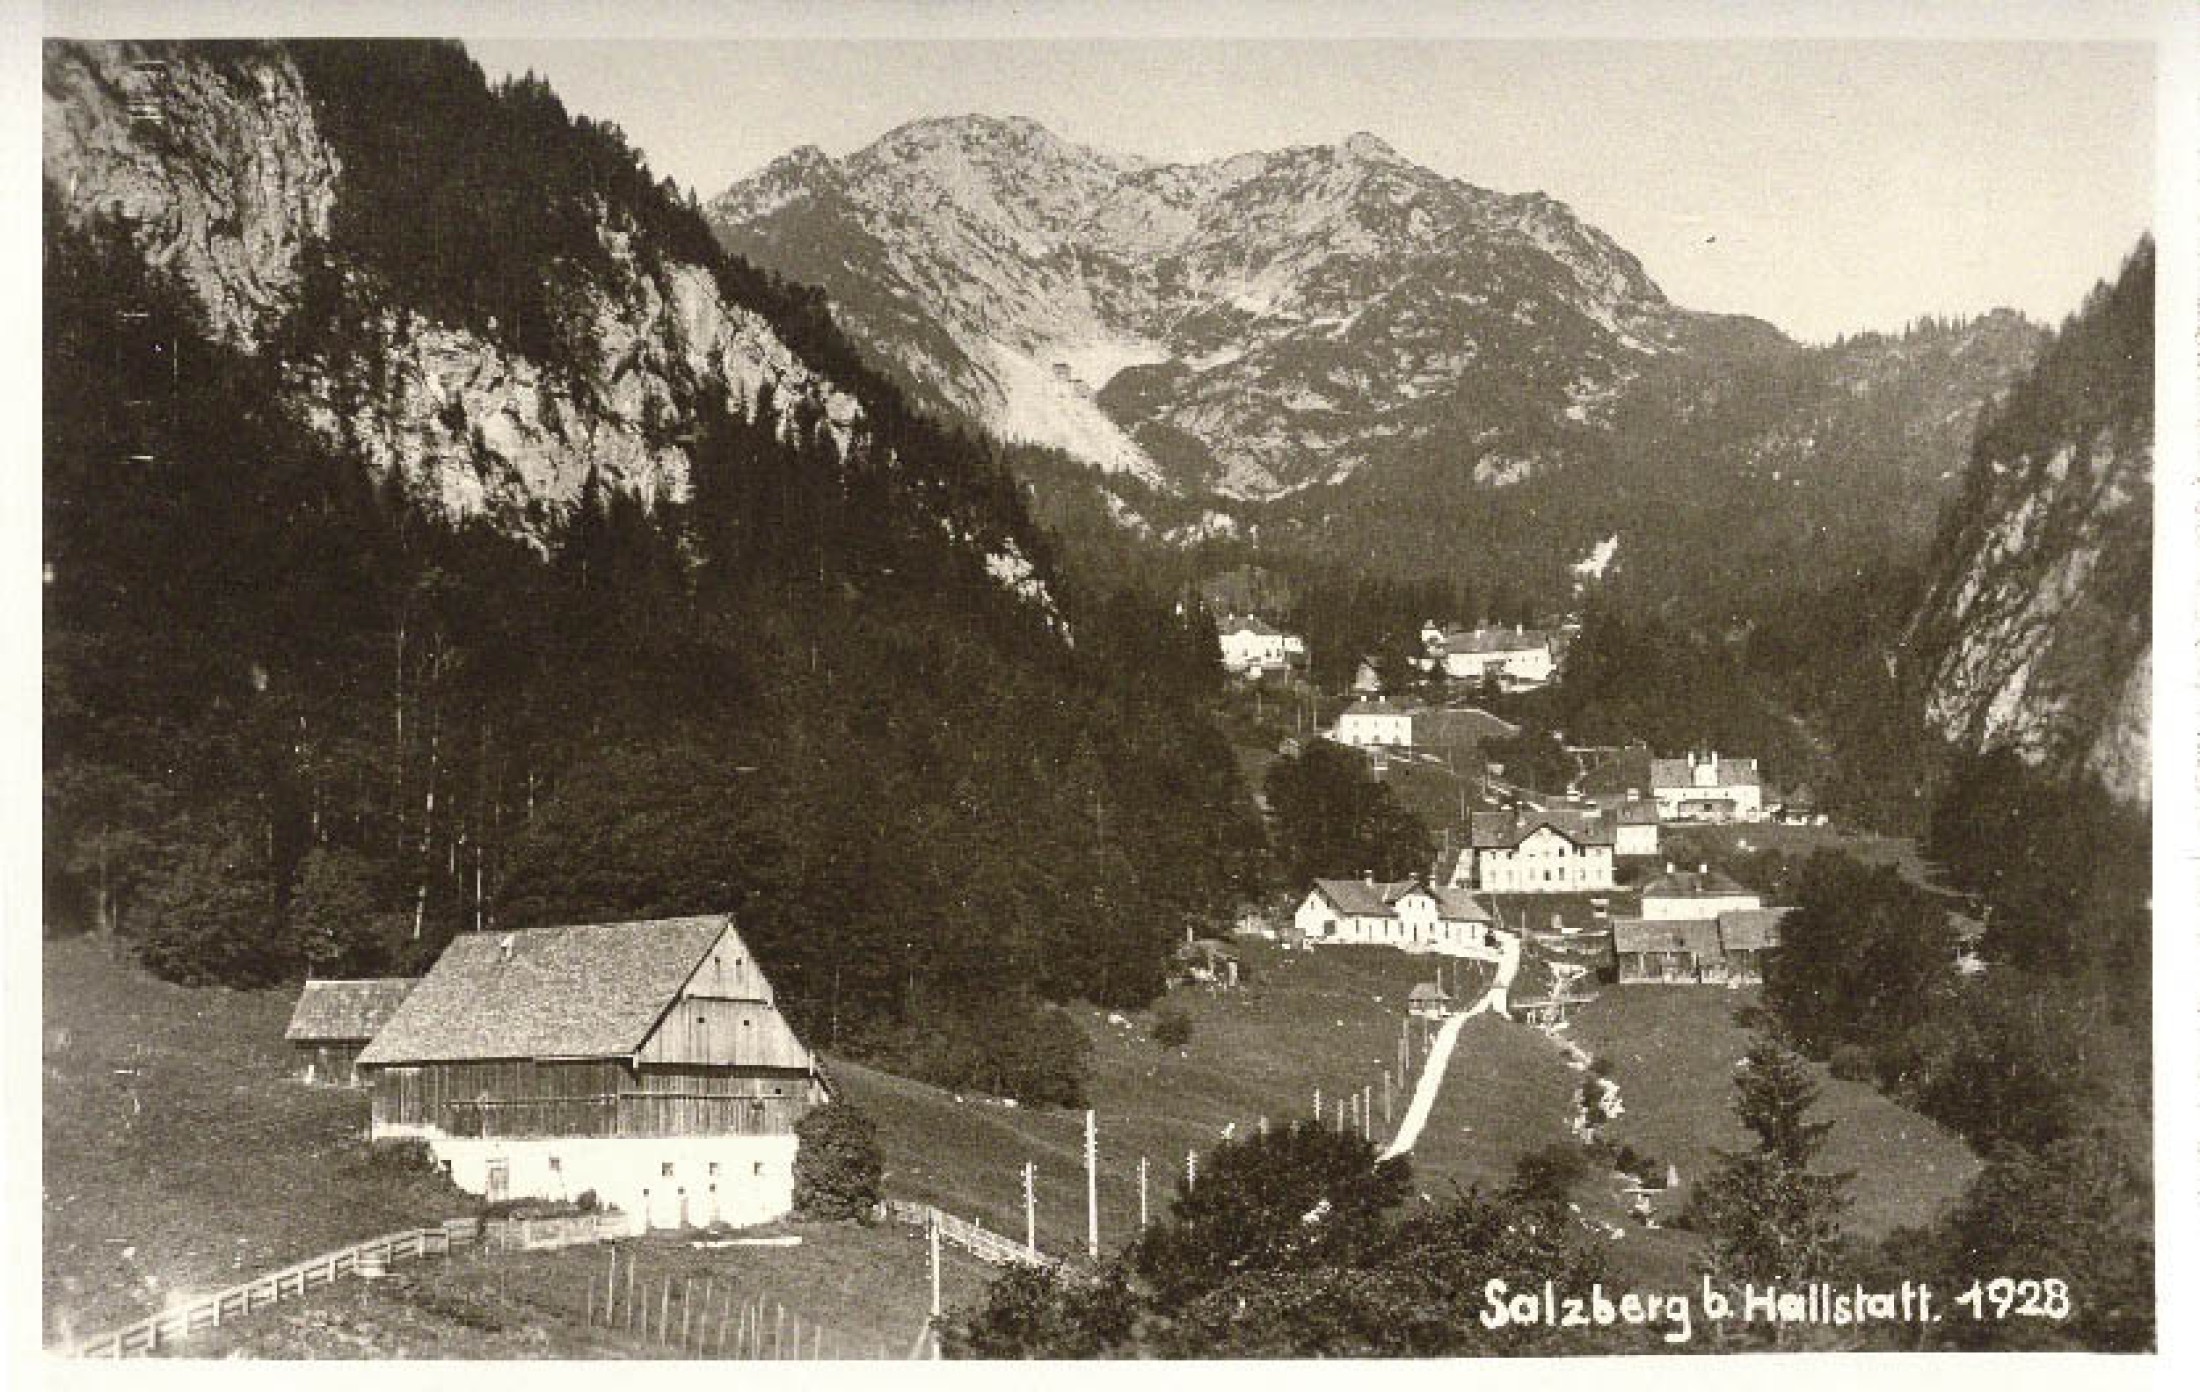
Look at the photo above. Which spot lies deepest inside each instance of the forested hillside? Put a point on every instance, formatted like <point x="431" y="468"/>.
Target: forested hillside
<point x="712" y="632"/>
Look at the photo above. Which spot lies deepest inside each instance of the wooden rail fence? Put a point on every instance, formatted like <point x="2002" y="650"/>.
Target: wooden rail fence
<point x="375" y="1256"/>
<point x="974" y="1238"/>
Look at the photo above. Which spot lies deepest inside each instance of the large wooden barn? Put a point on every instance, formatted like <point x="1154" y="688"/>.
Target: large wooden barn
<point x="643" y="1061"/>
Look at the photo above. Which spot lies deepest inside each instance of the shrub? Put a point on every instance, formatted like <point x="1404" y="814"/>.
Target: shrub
<point x="405" y="1157"/>
<point x="1172" y="1028"/>
<point x="837" y="1164"/>
<point x="1545" y="1177"/>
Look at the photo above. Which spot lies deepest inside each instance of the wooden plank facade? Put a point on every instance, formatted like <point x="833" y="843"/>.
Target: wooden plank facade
<point x="591" y="1098"/>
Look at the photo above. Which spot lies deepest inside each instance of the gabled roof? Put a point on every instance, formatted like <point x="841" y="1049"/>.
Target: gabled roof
<point x="1249" y="623"/>
<point x="1681" y="773"/>
<point x="1427" y="991"/>
<point x="1359" y="898"/>
<point x="347" y="1010"/>
<point x="1470" y="641"/>
<point x="590" y="990"/>
<point x="1504" y="830"/>
<point x="1699" y="936"/>
<point x="1376" y="707"/>
<point x="1455" y="903"/>
<point x="1637" y="812"/>
<point x="1692" y="884"/>
<point x="1750" y="930"/>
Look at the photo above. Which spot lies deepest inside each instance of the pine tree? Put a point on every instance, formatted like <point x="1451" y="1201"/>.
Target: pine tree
<point x="1767" y="1217"/>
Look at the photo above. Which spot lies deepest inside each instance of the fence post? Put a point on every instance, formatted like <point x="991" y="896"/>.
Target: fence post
<point x="779" y="1330"/>
<point x="687" y="1294"/>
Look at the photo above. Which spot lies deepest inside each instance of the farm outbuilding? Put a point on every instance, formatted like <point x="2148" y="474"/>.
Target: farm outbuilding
<point x="334" y="1020"/>
<point x="646" y="1062"/>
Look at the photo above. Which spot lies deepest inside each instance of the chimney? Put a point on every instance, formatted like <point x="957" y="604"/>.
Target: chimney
<point x="504" y="947"/>
<point x="1702" y="869"/>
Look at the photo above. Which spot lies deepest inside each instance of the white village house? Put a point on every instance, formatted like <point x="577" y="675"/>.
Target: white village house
<point x="1557" y="851"/>
<point x="1253" y="647"/>
<point x="1518" y="658"/>
<point x="1707" y="788"/>
<point x="643" y="1061"/>
<point x="1369" y="724"/>
<point x="1405" y="914"/>
<point x="1699" y="893"/>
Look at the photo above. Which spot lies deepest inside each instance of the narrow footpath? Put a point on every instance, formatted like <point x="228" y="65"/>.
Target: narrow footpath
<point x="1439" y="1055"/>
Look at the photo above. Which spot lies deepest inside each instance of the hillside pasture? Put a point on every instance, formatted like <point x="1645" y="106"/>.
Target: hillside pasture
<point x="1328" y="1019"/>
<point x="1672" y="1049"/>
<point x="180" y="1154"/>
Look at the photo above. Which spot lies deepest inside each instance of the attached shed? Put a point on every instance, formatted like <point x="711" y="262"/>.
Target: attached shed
<point x="334" y="1020"/>
<point x="644" y="1061"/>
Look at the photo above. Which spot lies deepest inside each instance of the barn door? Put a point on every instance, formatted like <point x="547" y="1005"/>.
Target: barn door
<point x="500" y="1181"/>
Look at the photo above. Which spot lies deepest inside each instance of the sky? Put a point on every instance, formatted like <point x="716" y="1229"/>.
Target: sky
<point x="1827" y="186"/>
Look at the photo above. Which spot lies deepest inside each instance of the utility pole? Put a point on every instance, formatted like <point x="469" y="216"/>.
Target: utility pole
<point x="1092" y="1185"/>
<point x="932" y="1229"/>
<point x="1031" y="1207"/>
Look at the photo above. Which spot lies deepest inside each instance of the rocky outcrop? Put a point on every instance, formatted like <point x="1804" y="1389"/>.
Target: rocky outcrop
<point x="211" y="155"/>
<point x="214" y="160"/>
<point x="2037" y="633"/>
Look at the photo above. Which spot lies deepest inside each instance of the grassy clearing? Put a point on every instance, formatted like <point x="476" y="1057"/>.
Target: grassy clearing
<point x="1686" y="844"/>
<point x="179" y="1156"/>
<point x="1327" y="1019"/>
<point x="1673" y="1050"/>
<point x="867" y="1289"/>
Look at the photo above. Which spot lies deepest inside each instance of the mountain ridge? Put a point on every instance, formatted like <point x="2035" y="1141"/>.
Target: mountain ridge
<point x="1270" y="292"/>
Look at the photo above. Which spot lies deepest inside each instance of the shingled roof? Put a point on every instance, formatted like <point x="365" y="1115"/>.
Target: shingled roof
<point x="1694" y="884"/>
<point x="591" y="990"/>
<point x="1698" y="936"/>
<point x="1750" y="930"/>
<point x="1471" y="641"/>
<point x="1453" y="902"/>
<point x="347" y="1010"/>
<point x="1726" y="773"/>
<point x="1508" y="829"/>
<point x="1359" y="898"/>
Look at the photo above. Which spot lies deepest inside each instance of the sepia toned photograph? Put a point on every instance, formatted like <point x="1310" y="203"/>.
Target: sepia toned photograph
<point x="1082" y="692"/>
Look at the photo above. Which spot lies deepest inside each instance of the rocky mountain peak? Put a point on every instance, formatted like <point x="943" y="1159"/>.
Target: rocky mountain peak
<point x="1240" y="328"/>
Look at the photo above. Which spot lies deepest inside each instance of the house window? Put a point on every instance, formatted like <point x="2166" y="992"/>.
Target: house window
<point x="714" y="1171"/>
<point x="759" y="1168"/>
<point x="665" y="1169"/>
<point x="554" y="1165"/>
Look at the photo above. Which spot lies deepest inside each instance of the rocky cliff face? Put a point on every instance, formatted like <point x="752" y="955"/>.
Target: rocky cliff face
<point x="1241" y="329"/>
<point x="213" y="157"/>
<point x="2037" y="634"/>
